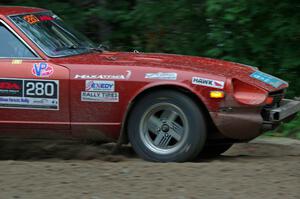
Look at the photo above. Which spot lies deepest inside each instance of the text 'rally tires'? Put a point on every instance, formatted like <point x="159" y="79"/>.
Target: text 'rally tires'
<point x="167" y="126"/>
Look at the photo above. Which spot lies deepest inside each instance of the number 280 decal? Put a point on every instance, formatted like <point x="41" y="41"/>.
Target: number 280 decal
<point x="29" y="94"/>
<point x="37" y="89"/>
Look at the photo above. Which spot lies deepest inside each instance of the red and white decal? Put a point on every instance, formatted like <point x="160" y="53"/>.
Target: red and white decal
<point x="42" y="70"/>
<point x="208" y="82"/>
<point x="45" y="18"/>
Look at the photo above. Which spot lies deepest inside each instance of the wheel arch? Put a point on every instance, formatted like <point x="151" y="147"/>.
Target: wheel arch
<point x="175" y="87"/>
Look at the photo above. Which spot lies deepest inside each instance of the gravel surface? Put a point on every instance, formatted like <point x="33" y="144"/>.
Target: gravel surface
<point x="265" y="168"/>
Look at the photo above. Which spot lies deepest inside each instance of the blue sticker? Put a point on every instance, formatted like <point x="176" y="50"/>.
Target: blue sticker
<point x="97" y="85"/>
<point x="268" y="79"/>
<point x="42" y="70"/>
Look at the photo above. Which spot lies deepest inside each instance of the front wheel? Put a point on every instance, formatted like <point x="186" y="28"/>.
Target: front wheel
<point x="167" y="126"/>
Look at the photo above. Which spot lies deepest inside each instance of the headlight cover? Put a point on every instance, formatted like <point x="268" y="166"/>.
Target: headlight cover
<point x="247" y="94"/>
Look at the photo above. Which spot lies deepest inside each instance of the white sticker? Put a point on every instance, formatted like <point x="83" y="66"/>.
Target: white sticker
<point x="28" y="103"/>
<point x="29" y="94"/>
<point x="106" y="76"/>
<point x="99" y="96"/>
<point x="163" y="76"/>
<point x="208" y="82"/>
<point x="97" y="85"/>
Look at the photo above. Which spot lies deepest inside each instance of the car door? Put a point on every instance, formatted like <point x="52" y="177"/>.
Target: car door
<point x="33" y="92"/>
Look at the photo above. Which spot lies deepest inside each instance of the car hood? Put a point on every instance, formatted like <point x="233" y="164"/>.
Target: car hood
<point x="168" y="62"/>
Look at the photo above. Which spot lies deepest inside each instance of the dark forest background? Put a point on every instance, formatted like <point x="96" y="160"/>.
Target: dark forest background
<point x="265" y="34"/>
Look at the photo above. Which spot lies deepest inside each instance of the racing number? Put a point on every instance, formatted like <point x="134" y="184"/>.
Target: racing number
<point x="40" y="89"/>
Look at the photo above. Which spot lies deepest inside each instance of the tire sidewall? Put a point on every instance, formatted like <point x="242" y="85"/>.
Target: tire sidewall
<point x="196" y="137"/>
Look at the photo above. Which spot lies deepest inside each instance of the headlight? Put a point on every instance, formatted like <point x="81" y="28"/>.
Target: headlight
<point x="247" y="94"/>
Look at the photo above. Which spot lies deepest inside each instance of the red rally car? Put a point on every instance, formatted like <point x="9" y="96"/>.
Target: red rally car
<point x="55" y="83"/>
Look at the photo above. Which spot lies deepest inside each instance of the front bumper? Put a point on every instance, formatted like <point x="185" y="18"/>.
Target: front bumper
<point x="287" y="108"/>
<point x="287" y="111"/>
<point x="245" y="123"/>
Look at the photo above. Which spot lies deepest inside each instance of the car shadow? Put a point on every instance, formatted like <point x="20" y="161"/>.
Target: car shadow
<point x="20" y="149"/>
<point x="16" y="149"/>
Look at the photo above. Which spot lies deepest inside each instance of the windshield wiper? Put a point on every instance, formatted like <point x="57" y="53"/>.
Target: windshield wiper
<point x="71" y="47"/>
<point x="100" y="48"/>
<point x="96" y="49"/>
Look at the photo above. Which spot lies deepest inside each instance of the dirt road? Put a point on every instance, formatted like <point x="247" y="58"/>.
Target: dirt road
<point x="266" y="168"/>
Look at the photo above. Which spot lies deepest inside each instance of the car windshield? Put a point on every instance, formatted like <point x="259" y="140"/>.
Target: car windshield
<point x="54" y="37"/>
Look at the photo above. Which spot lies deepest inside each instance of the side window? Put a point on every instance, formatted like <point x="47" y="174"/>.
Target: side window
<point x="11" y="46"/>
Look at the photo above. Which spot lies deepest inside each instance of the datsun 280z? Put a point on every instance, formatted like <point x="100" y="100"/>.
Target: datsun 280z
<point x="55" y="83"/>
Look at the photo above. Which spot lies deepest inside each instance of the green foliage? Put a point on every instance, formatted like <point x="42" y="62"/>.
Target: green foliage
<point x="265" y="34"/>
<point x="261" y="33"/>
<point x="291" y="129"/>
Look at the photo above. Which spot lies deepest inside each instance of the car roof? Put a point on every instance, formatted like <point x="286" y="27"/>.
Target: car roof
<point x="14" y="10"/>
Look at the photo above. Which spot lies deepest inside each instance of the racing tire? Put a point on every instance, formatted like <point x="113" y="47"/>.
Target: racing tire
<point x="167" y="126"/>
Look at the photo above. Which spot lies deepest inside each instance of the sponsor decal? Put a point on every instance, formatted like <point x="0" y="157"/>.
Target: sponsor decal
<point x="97" y="85"/>
<point x="11" y="87"/>
<point x="45" y="18"/>
<point x="106" y="76"/>
<point x="31" y="19"/>
<point x="99" y="96"/>
<point x="16" y="61"/>
<point x="268" y="79"/>
<point x="162" y="76"/>
<point x="29" y="94"/>
<point x="42" y="70"/>
<point x="27" y="103"/>
<point x="208" y="82"/>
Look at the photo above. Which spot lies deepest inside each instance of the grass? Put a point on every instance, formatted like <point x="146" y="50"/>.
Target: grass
<point x="291" y="129"/>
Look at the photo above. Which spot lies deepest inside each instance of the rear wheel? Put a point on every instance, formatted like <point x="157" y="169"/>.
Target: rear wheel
<point x="167" y="126"/>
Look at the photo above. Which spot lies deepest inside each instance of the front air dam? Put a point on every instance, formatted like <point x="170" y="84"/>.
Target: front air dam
<point x="239" y="123"/>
